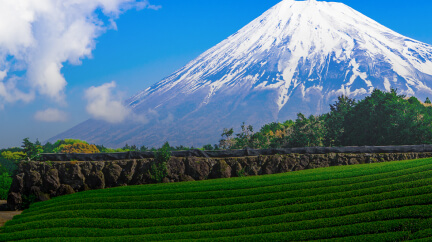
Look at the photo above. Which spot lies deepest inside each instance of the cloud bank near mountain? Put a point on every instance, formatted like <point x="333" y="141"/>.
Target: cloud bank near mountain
<point x="103" y="105"/>
<point x="51" y="115"/>
<point x="38" y="37"/>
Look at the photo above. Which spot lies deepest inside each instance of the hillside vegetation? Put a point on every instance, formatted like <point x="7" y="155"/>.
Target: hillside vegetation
<point x="384" y="202"/>
<point x="382" y="118"/>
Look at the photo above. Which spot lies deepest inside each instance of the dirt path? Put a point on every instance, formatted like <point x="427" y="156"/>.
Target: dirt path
<point x="6" y="215"/>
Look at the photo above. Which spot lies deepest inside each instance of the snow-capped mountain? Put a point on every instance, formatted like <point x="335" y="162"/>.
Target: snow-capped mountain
<point x="296" y="57"/>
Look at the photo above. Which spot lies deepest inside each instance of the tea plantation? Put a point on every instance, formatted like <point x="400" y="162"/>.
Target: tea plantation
<point x="373" y="202"/>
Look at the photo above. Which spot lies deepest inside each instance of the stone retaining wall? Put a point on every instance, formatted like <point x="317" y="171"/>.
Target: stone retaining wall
<point x="40" y="181"/>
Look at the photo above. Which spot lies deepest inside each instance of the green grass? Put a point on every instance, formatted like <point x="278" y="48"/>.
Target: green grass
<point x="374" y="202"/>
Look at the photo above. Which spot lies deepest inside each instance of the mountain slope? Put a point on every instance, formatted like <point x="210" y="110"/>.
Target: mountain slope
<point x="296" y="57"/>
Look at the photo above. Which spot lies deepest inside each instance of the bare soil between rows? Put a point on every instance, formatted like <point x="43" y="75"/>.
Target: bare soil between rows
<point x="6" y="215"/>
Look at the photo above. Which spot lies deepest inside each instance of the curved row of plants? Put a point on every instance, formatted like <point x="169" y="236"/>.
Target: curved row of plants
<point x="391" y="201"/>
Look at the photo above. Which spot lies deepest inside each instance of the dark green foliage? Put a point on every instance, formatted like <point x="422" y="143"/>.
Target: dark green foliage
<point x="5" y="183"/>
<point x="37" y="142"/>
<point x="158" y="169"/>
<point x="101" y="148"/>
<point x="259" y="140"/>
<point x="2" y="169"/>
<point x="28" y="200"/>
<point x="377" y="120"/>
<point x="10" y="166"/>
<point x="163" y="154"/>
<point x="383" y="118"/>
<point x="335" y="120"/>
<point x="384" y="201"/>
<point x="208" y="147"/>
<point x="126" y="147"/>
<point x="130" y="148"/>
<point x="32" y="150"/>
<point x="271" y="127"/>
<point x="48" y="148"/>
<point x="386" y="118"/>
<point x="428" y="101"/>
<point x="241" y="173"/>
<point x="307" y="131"/>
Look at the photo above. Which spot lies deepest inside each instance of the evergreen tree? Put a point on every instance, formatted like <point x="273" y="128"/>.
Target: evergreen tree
<point x="307" y="132"/>
<point x="31" y="150"/>
<point x="126" y="147"/>
<point x="334" y="121"/>
<point x="48" y="148"/>
<point x="38" y="143"/>
<point x="208" y="147"/>
<point x="102" y="148"/>
<point x="386" y="118"/>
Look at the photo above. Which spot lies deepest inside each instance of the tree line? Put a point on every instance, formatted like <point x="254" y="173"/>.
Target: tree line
<point x="383" y="118"/>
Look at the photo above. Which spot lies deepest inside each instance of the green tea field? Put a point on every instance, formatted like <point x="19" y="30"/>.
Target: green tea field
<point x="373" y="202"/>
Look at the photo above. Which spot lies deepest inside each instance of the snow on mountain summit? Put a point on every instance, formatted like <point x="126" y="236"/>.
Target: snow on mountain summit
<point x="296" y="36"/>
<point x="296" y="57"/>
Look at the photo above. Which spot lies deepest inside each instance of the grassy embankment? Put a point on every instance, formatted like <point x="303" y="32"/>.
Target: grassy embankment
<point x="386" y="202"/>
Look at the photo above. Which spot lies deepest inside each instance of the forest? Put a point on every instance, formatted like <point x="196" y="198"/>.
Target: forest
<point x="383" y="118"/>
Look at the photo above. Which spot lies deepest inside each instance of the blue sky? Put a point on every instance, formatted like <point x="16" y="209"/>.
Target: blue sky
<point x="150" y="44"/>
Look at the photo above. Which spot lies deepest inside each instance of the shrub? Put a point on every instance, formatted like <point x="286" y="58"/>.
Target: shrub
<point x="28" y="200"/>
<point x="158" y="169"/>
<point x="5" y="183"/>
<point x="60" y="144"/>
<point x="80" y="148"/>
<point x="241" y="173"/>
<point x="163" y="154"/>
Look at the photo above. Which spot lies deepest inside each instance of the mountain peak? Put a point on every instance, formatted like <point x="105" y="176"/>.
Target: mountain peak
<point x="298" y="56"/>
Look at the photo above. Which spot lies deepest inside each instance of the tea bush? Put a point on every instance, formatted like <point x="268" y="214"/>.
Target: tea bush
<point x="386" y="201"/>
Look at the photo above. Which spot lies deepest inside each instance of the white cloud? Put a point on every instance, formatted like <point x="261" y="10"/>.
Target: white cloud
<point x="51" y="115"/>
<point x="40" y="36"/>
<point x="145" y="4"/>
<point x="3" y="74"/>
<point x="103" y="105"/>
<point x="10" y="93"/>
